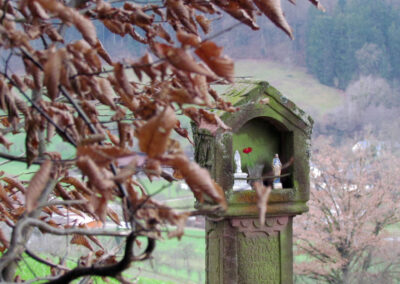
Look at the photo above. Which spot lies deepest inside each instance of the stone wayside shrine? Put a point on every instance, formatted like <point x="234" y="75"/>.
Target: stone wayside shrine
<point x="239" y="248"/>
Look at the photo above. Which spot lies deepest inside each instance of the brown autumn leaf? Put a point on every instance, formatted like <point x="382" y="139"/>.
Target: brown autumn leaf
<point x="92" y="139"/>
<point x="201" y="87"/>
<point x="14" y="183"/>
<point x="182" y="60"/>
<point x="206" y="120"/>
<point x="103" y="53"/>
<point x="32" y="139"/>
<point x="5" y="142"/>
<point x="153" y="168"/>
<point x="180" y="12"/>
<point x="188" y="39"/>
<point x="106" y="94"/>
<point x="128" y="169"/>
<point x="197" y="178"/>
<point x="52" y="72"/>
<point x="204" y="23"/>
<point x="37" y="185"/>
<point x="273" y="10"/>
<point x="263" y="193"/>
<point x="113" y="216"/>
<point x="234" y="9"/>
<point x="161" y="32"/>
<point x="153" y="135"/>
<point x="102" y="155"/>
<point x="5" y="213"/>
<point x="122" y="79"/>
<point x="126" y="134"/>
<point x="85" y="26"/>
<point x="77" y="184"/>
<point x="5" y="198"/>
<point x="82" y="241"/>
<point x="317" y="4"/>
<point x="20" y="83"/>
<point x="96" y="176"/>
<point x="37" y="10"/>
<point x="3" y="240"/>
<point x="100" y="206"/>
<point x="210" y="53"/>
<point x="176" y="219"/>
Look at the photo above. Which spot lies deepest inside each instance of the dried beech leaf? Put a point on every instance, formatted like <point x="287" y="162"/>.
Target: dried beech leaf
<point x="153" y="136"/>
<point x="234" y="9"/>
<point x="103" y="53"/>
<point x="113" y="216"/>
<point x="5" y="199"/>
<point x="181" y="13"/>
<point x="204" y="23"/>
<point x="3" y="239"/>
<point x="198" y="179"/>
<point x="176" y="219"/>
<point x="5" y="142"/>
<point x="102" y="155"/>
<point x="37" y="185"/>
<point x="273" y="10"/>
<point x="52" y="72"/>
<point x="82" y="241"/>
<point x="93" y="139"/>
<point x="153" y="168"/>
<point x="37" y="10"/>
<point x="32" y="139"/>
<point x="263" y="193"/>
<point x="14" y="183"/>
<point x="187" y="39"/>
<point x="77" y="184"/>
<point x="85" y="26"/>
<point x="106" y="96"/>
<point x="95" y="175"/>
<point x="317" y="4"/>
<point x="182" y="60"/>
<point x="206" y="120"/>
<point x="210" y="53"/>
<point x="122" y="78"/>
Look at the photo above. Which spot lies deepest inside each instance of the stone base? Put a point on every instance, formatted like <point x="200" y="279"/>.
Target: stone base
<point x="240" y="182"/>
<point x="241" y="250"/>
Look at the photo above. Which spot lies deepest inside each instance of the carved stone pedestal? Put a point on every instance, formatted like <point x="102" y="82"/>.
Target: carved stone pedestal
<point x="240" y="250"/>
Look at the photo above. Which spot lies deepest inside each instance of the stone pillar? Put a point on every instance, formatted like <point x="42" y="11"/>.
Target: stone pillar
<point x="240" y="250"/>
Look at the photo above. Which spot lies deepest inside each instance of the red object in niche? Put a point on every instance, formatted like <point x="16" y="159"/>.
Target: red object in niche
<point x="247" y="150"/>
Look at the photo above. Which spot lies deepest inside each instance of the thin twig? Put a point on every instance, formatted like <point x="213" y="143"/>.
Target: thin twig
<point x="48" y="263"/>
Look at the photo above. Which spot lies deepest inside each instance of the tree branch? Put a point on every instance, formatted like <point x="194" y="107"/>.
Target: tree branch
<point x="109" y="270"/>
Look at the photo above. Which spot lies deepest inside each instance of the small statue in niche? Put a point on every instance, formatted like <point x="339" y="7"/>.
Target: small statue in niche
<point x="240" y="182"/>
<point x="277" y="169"/>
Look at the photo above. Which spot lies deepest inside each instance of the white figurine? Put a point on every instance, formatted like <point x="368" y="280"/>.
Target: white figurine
<point x="277" y="168"/>
<point x="239" y="177"/>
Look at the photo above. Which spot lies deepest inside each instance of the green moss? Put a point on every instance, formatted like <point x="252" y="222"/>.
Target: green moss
<point x="261" y="138"/>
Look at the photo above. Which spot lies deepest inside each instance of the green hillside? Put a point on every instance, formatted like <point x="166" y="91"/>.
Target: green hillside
<point x="293" y="82"/>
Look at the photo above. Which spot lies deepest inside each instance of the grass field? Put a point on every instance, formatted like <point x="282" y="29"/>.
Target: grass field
<point x="293" y="82"/>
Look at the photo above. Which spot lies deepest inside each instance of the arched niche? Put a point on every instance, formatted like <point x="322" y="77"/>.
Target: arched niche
<point x="257" y="141"/>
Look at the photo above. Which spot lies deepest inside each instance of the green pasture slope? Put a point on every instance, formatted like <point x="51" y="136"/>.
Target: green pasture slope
<point x="293" y="82"/>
